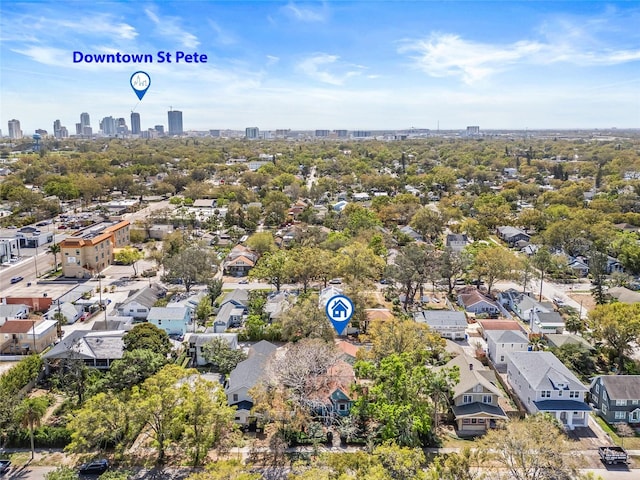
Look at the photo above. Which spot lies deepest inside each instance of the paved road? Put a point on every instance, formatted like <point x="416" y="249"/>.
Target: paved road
<point x="26" y="268"/>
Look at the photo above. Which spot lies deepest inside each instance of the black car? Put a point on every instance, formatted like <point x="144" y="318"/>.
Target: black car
<point x="5" y="465"/>
<point x="95" y="467"/>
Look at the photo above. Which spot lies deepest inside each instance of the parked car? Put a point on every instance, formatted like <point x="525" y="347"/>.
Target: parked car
<point x="613" y="455"/>
<point x="243" y="281"/>
<point x="95" y="467"/>
<point x="5" y="465"/>
<point x="16" y="279"/>
<point x="335" y="281"/>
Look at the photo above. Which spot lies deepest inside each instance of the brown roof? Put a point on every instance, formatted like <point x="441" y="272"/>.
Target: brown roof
<point x="378" y="314"/>
<point x="472" y="297"/>
<point x="17" y="326"/>
<point x="500" y="325"/>
<point x="347" y="348"/>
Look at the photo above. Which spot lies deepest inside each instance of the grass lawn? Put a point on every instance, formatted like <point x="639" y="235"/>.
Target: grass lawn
<point x="630" y="443"/>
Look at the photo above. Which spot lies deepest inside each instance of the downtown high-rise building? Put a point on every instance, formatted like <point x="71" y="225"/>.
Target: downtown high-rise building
<point x="135" y="123"/>
<point x="85" y="121"/>
<point x="175" y="122"/>
<point x="15" y="133"/>
<point x="60" y="131"/>
<point x="108" y="126"/>
<point x="252" y="133"/>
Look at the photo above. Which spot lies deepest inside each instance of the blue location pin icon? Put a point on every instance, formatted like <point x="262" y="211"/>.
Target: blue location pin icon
<point x="339" y="309"/>
<point x="140" y="82"/>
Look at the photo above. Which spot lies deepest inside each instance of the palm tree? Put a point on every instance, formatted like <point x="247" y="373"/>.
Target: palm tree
<point x="30" y="412"/>
<point x="54" y="249"/>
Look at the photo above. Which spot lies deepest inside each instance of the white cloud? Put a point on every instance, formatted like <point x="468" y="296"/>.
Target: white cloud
<point x="305" y="14"/>
<point x="169" y="27"/>
<point x="318" y="68"/>
<point x="272" y="60"/>
<point x="449" y="55"/>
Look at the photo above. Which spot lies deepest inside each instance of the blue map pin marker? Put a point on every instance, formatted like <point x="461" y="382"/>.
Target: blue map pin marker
<point x="140" y="82"/>
<point x="339" y="309"/>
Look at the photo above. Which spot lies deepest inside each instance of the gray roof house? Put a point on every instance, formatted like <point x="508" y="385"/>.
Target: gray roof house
<point x="97" y="349"/>
<point x="139" y="302"/>
<point x="456" y="241"/>
<point x="543" y="384"/>
<point x="545" y="322"/>
<point x="8" y="311"/>
<point x="70" y="312"/>
<point x="616" y="398"/>
<point x="228" y="316"/>
<point x="502" y="342"/>
<point x="512" y="235"/>
<point x="245" y="376"/>
<point x="449" y="324"/>
<point x="407" y="230"/>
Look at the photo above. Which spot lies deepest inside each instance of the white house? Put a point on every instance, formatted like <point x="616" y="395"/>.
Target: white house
<point x="138" y="303"/>
<point x="545" y="322"/>
<point x="544" y="384"/>
<point x="502" y="342"/>
<point x="449" y="324"/>
<point x="247" y="374"/>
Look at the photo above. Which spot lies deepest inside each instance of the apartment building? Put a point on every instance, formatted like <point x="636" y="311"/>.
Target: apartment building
<point x="92" y="250"/>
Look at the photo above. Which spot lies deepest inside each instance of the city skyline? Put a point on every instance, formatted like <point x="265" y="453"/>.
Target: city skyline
<point x="328" y="65"/>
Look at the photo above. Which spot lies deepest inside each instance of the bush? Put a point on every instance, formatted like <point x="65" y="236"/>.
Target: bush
<point x="19" y="376"/>
<point x="44" y="437"/>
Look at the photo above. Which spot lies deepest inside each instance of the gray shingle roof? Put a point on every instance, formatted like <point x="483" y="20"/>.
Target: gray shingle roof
<point x="248" y="372"/>
<point x="441" y="318"/>
<point x="88" y="344"/>
<point x="472" y="373"/>
<point x="543" y="371"/>
<point x="622" y="387"/>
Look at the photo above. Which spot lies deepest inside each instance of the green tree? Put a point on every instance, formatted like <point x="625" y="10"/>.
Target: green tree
<point x="261" y="242"/>
<point x="129" y="256"/>
<point x="543" y="261"/>
<point x="207" y="419"/>
<point x="428" y="222"/>
<point x="214" y="289"/>
<point x="194" y="264"/>
<point x="133" y="368"/>
<point x="225" y="470"/>
<point x="494" y="263"/>
<point x="29" y="413"/>
<point x="147" y="336"/>
<point x="618" y="326"/>
<point x="104" y="420"/>
<point x="306" y="319"/>
<point x="157" y="406"/>
<point x="465" y="465"/>
<point x="358" y="262"/>
<point x="54" y="249"/>
<point x="451" y="266"/>
<point x="272" y="267"/>
<point x="219" y="353"/>
<point x="203" y="310"/>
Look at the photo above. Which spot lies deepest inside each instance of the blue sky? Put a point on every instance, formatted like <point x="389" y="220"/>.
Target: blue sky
<point x="327" y="65"/>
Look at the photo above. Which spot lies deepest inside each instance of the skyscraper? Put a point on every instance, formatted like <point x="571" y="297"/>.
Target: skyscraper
<point x="108" y="126"/>
<point x="175" y="122"/>
<point x="57" y="129"/>
<point x="252" y="132"/>
<point x="15" y="132"/>
<point x="135" y="123"/>
<point x="84" y="120"/>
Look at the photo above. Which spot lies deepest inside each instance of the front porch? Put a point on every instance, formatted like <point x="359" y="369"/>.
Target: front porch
<point x="569" y="413"/>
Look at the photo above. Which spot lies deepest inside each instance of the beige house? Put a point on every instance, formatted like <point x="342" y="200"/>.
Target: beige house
<point x="93" y="249"/>
<point x="19" y="337"/>
<point x="475" y="397"/>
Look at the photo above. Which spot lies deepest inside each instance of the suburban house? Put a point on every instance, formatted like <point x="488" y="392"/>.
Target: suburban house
<point x="239" y="261"/>
<point x="475" y="302"/>
<point x="502" y="342"/>
<point x="233" y="308"/>
<point x="487" y="326"/>
<point x="475" y="396"/>
<point x="71" y="313"/>
<point x="198" y="340"/>
<point x="173" y="320"/>
<point x="616" y="398"/>
<point x="407" y="230"/>
<point x="19" y="337"/>
<point x="613" y="265"/>
<point x="245" y="376"/>
<point x="138" y="303"/>
<point x="544" y="384"/>
<point x="93" y="249"/>
<point x="624" y="295"/>
<point x="448" y="323"/>
<point x="512" y="235"/>
<point x="97" y="349"/>
<point x="578" y="266"/>
<point x="522" y="304"/>
<point x="545" y="322"/>
<point x="13" y="311"/>
<point x="456" y="241"/>
<point x="277" y="304"/>
<point x="333" y="395"/>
